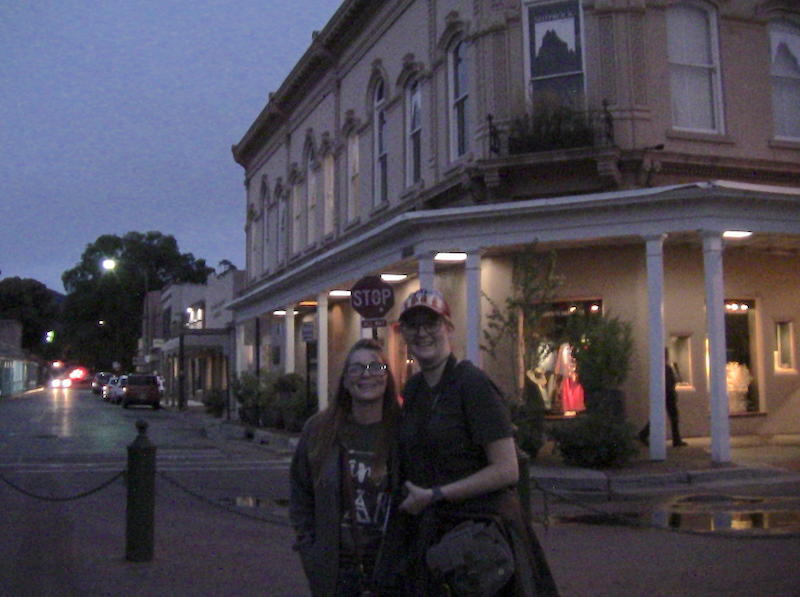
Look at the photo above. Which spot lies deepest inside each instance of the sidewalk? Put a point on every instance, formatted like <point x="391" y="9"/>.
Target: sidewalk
<point x="753" y="458"/>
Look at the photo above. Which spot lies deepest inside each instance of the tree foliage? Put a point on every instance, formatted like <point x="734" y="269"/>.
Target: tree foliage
<point x="34" y="306"/>
<point x="103" y="309"/>
<point x="533" y="285"/>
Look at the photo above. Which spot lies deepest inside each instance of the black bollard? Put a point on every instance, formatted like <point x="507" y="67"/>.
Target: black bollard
<point x="141" y="497"/>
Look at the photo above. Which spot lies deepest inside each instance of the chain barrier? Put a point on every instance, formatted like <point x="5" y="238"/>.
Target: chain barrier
<point x="631" y="521"/>
<point x="47" y="498"/>
<point x="267" y="518"/>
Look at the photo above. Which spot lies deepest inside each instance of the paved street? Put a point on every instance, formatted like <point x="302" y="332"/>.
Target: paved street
<point x="220" y="526"/>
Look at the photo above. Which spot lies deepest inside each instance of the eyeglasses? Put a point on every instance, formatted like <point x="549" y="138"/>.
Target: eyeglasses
<point x="356" y="370"/>
<point x="429" y="325"/>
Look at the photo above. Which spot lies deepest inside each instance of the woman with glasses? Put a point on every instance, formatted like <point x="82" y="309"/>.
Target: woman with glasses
<point x="458" y="456"/>
<point x="340" y="478"/>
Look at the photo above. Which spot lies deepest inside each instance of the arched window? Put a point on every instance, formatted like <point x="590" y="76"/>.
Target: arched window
<point x="784" y="38"/>
<point x="381" y="158"/>
<point x="414" y="132"/>
<point x="459" y="100"/>
<point x="694" y="67"/>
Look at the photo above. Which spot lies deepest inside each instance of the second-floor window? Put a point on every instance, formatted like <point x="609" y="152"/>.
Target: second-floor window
<point x="555" y="57"/>
<point x="784" y="40"/>
<point x="353" y="176"/>
<point x="381" y="159"/>
<point x="311" y="192"/>
<point x="283" y="230"/>
<point x="414" y="133"/>
<point x="298" y="206"/>
<point x="694" y="67"/>
<point x="328" y="194"/>
<point x="459" y="98"/>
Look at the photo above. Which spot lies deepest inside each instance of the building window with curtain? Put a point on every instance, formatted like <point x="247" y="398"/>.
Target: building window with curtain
<point x="414" y="133"/>
<point x="784" y="38"/>
<point x="381" y="158"/>
<point x="694" y="67"/>
<point x="555" y="53"/>
<point x="459" y="100"/>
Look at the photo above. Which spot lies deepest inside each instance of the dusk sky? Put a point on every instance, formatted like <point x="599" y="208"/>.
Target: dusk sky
<point x="119" y="116"/>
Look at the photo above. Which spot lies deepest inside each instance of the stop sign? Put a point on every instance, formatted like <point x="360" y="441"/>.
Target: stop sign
<point x="371" y="297"/>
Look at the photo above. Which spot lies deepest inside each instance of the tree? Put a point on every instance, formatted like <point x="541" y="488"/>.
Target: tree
<point x="514" y="331"/>
<point x="103" y="309"/>
<point x="34" y="306"/>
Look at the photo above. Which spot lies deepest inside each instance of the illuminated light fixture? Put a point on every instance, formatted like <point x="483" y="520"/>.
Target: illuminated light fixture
<point x="737" y="234"/>
<point x="393" y="277"/>
<point x="594" y="308"/>
<point x="109" y="264"/>
<point x="737" y="307"/>
<point x="281" y="313"/>
<point x="572" y="308"/>
<point x="307" y="303"/>
<point x="451" y="257"/>
<point x="339" y="293"/>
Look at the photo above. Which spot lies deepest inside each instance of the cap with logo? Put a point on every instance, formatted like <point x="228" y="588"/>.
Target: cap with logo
<point x="425" y="298"/>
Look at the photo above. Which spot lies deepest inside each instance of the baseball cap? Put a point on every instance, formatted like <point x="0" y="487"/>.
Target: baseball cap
<point x="426" y="299"/>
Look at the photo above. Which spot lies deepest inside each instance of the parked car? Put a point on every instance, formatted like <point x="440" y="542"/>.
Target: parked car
<point x="112" y="391"/>
<point x="99" y="380"/>
<point x="140" y="388"/>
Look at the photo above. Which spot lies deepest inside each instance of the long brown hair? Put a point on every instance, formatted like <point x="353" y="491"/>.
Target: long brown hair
<point x="330" y="428"/>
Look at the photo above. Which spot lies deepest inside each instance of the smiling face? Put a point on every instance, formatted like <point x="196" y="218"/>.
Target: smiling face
<point x="428" y="336"/>
<point x="365" y="376"/>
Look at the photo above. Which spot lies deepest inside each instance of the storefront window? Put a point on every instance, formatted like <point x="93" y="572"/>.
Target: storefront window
<point x="741" y="379"/>
<point x="784" y="345"/>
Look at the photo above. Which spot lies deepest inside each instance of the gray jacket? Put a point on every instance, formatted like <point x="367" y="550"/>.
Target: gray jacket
<point x="314" y="511"/>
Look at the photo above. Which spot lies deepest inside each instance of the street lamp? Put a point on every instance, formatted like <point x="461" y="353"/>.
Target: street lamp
<point x="109" y="264"/>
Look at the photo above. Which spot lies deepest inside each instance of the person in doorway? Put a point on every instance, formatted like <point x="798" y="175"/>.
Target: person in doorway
<point x="340" y="479"/>
<point x="671" y="400"/>
<point x="457" y="454"/>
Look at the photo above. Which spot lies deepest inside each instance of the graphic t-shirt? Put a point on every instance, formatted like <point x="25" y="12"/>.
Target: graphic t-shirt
<point x="368" y="475"/>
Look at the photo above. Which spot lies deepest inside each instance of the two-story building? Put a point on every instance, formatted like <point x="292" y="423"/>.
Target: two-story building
<point x="188" y="333"/>
<point x="652" y="145"/>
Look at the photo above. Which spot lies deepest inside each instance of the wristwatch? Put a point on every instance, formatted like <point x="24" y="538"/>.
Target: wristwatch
<point x="438" y="496"/>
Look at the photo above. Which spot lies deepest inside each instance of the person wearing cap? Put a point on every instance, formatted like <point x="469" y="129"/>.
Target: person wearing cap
<point x="457" y="451"/>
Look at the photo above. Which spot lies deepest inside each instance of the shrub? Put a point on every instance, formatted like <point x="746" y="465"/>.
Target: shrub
<point x="216" y="401"/>
<point x="595" y="440"/>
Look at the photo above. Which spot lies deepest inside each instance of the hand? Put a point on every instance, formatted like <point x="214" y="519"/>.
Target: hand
<point x="417" y="499"/>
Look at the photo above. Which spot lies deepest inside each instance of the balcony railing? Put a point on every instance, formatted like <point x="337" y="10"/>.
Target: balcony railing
<point x="552" y="128"/>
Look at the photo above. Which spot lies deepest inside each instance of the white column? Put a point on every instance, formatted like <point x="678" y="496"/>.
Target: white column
<point x="715" y="330"/>
<point x="655" y="309"/>
<point x="288" y="339"/>
<point x="473" y="315"/>
<point x="427" y="271"/>
<point x="322" y="350"/>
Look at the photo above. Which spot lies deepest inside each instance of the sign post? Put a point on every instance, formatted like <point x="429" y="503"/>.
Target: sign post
<point x="372" y="298"/>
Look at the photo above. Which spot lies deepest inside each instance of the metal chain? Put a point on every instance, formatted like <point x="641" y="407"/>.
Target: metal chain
<point x="46" y="498"/>
<point x="267" y="518"/>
